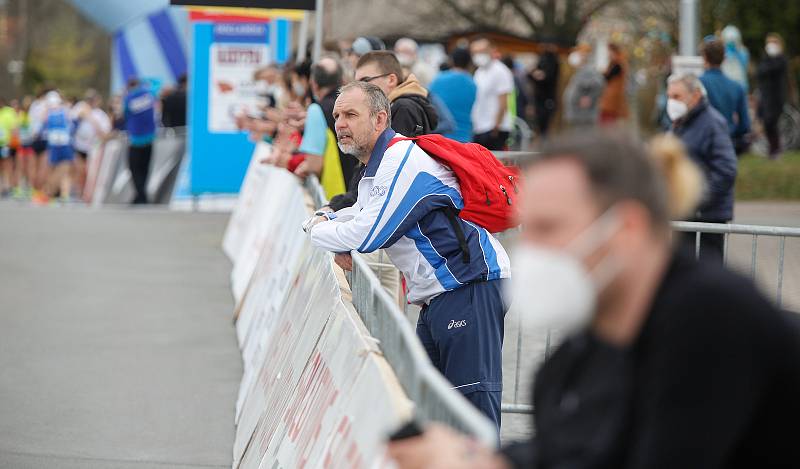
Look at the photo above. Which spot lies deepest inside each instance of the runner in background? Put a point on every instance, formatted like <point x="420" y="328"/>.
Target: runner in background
<point x="8" y="127"/>
<point x="92" y="125"/>
<point x="37" y="116"/>
<point x="58" y="128"/>
<point x="26" y="163"/>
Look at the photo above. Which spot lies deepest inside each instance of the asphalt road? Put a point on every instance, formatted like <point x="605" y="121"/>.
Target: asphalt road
<point x="116" y="343"/>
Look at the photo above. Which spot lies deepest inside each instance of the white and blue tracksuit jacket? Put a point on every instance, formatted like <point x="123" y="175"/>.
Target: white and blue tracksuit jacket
<point x="398" y="209"/>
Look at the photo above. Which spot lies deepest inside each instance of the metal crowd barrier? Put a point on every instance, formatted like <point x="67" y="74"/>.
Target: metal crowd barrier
<point x="755" y="232"/>
<point x="432" y="395"/>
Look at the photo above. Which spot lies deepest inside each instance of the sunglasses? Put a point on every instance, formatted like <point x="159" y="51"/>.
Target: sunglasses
<point x="369" y="79"/>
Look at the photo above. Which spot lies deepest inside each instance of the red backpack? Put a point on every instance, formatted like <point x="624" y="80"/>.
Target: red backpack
<point x="489" y="188"/>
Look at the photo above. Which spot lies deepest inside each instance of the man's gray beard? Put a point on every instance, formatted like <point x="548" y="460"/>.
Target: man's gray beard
<point x="358" y="151"/>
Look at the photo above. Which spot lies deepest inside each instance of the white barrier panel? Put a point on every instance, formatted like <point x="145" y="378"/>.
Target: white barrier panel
<point x="279" y="212"/>
<point x="242" y="218"/>
<point x="309" y="368"/>
<point x="109" y="179"/>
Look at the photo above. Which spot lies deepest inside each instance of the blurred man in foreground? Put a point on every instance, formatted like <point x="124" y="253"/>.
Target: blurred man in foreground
<point x="668" y="363"/>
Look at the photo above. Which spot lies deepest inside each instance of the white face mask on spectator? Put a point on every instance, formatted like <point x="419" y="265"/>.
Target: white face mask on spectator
<point x="405" y="60"/>
<point x="482" y="60"/>
<point x="262" y="88"/>
<point x="553" y="289"/>
<point x="574" y="59"/>
<point x="299" y="89"/>
<point x="676" y="109"/>
<point x="773" y="49"/>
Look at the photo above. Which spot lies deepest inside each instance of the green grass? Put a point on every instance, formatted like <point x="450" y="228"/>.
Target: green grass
<point x="762" y="179"/>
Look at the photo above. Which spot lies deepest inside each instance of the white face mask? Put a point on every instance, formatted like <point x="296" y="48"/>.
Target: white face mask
<point x="405" y="60"/>
<point x="481" y="60"/>
<point x="676" y="109"/>
<point x="552" y="289"/>
<point x="773" y="49"/>
<point x="299" y="89"/>
<point x="574" y="59"/>
<point x="262" y="88"/>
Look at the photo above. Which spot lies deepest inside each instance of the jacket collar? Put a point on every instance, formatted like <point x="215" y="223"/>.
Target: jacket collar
<point x="377" y="152"/>
<point x="692" y="114"/>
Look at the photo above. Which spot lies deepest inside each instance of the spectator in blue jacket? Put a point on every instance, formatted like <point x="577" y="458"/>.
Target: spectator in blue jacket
<point x="457" y="90"/>
<point x="705" y="133"/>
<point x="140" y="122"/>
<point x="725" y="95"/>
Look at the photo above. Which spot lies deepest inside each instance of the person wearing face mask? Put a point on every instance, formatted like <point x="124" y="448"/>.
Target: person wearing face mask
<point x="491" y="121"/>
<point x="667" y="362"/>
<point x="737" y="57"/>
<point x="545" y="87"/>
<point x="772" y="88"/>
<point x="299" y="78"/>
<point x="706" y="135"/>
<point x="406" y="50"/>
<point x="583" y="91"/>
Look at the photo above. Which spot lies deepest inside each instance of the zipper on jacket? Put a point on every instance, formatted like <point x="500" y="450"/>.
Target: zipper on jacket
<point x="508" y="198"/>
<point x="514" y="184"/>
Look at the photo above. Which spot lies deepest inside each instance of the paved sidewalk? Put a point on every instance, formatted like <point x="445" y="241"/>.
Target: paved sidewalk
<point x="116" y="343"/>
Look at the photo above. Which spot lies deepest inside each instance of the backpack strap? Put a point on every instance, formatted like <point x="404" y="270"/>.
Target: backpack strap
<point x="452" y="216"/>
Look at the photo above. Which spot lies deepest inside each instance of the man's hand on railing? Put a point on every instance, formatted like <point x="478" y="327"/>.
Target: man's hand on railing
<point x="344" y="260"/>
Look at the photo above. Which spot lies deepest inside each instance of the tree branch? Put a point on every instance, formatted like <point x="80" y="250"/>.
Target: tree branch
<point x="525" y="14"/>
<point x="597" y="7"/>
<point x="464" y="13"/>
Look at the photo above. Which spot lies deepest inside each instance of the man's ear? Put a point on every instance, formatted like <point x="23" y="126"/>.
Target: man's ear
<point x="382" y="120"/>
<point x="394" y="80"/>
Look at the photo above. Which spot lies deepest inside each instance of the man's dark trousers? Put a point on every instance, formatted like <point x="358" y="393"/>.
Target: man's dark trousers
<point x="462" y="331"/>
<point x="139" y="164"/>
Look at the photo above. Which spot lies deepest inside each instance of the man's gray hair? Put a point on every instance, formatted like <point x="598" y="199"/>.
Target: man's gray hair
<point x="689" y="80"/>
<point x="376" y="100"/>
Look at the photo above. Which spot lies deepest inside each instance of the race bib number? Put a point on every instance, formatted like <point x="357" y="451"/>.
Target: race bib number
<point x="140" y="103"/>
<point x="57" y="137"/>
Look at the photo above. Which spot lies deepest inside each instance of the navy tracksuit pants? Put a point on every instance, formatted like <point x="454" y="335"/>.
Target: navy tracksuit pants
<point x="462" y="331"/>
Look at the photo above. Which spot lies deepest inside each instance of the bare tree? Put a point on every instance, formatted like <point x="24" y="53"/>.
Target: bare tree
<point x="559" y="21"/>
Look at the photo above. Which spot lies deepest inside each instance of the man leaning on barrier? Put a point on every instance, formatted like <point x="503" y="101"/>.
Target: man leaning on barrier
<point x="401" y="206"/>
<point x="668" y="362"/>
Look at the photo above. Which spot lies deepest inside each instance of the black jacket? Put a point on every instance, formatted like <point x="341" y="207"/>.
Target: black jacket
<point x="412" y="115"/>
<point x="173" y="109"/>
<point x="711" y="382"/>
<point x="772" y="87"/>
<point x="705" y="133"/>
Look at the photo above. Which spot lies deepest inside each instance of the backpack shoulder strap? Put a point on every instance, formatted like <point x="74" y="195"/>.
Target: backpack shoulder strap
<point x="452" y="216"/>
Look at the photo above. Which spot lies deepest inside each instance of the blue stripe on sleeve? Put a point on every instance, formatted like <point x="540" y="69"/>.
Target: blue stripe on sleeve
<point x="489" y="254"/>
<point x="426" y="193"/>
<point x="436" y="260"/>
<point x="388" y="198"/>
